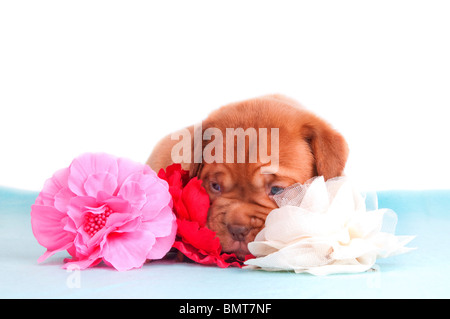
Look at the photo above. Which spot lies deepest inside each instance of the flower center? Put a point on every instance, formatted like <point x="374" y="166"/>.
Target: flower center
<point x="94" y="222"/>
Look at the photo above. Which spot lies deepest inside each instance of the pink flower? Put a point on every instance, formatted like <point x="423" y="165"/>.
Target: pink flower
<point x="103" y="208"/>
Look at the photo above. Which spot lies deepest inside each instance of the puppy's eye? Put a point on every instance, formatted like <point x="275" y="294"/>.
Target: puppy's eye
<point x="276" y="190"/>
<point x="216" y="187"/>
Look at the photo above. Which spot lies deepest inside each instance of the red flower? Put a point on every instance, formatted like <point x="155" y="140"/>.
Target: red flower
<point x="191" y="205"/>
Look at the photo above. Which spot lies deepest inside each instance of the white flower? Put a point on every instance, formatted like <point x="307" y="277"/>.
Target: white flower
<point x="324" y="228"/>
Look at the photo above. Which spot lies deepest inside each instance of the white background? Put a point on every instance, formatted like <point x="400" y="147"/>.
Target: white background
<point x="116" y="76"/>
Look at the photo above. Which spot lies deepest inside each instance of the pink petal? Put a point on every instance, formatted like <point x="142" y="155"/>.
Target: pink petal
<point x="155" y="189"/>
<point x="117" y="204"/>
<point x="127" y="167"/>
<point x="98" y="239"/>
<point x="119" y="223"/>
<point x="87" y="164"/>
<point x="82" y="263"/>
<point x="85" y="261"/>
<point x="119" y="220"/>
<point x="78" y="207"/>
<point x="49" y="253"/>
<point x="95" y="183"/>
<point x="152" y="209"/>
<point x="158" y="194"/>
<point x="47" y="224"/>
<point x="123" y="212"/>
<point x="70" y="226"/>
<point x="133" y="193"/>
<point x="52" y="186"/>
<point x="86" y="245"/>
<point x="63" y="198"/>
<point x="161" y="224"/>
<point x="125" y="251"/>
<point x="163" y="244"/>
<point x="147" y="181"/>
<point x="131" y="224"/>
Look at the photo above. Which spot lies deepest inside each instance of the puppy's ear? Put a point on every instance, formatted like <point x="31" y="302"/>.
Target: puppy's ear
<point x="328" y="146"/>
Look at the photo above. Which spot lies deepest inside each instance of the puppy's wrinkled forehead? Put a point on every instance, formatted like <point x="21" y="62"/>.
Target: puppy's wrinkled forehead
<point x="306" y="145"/>
<point x="294" y="159"/>
<point x="240" y="174"/>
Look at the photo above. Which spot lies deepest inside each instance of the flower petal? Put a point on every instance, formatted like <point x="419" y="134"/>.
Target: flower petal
<point x="202" y="238"/>
<point x="47" y="224"/>
<point x="127" y="167"/>
<point x="161" y="225"/>
<point x="290" y="223"/>
<point x="78" y="207"/>
<point x="163" y="243"/>
<point x="133" y="193"/>
<point x="85" y="261"/>
<point x="63" y="198"/>
<point x="365" y="224"/>
<point x="196" y="201"/>
<point x="152" y="209"/>
<point x="104" y="182"/>
<point x="87" y="164"/>
<point x="126" y="251"/>
<point x="52" y="186"/>
<point x="174" y="175"/>
<point x="49" y="253"/>
<point x="155" y="189"/>
<point x="301" y="255"/>
<point x="117" y="204"/>
<point x="342" y="206"/>
<point x="263" y="248"/>
<point x="316" y="196"/>
<point x="222" y="260"/>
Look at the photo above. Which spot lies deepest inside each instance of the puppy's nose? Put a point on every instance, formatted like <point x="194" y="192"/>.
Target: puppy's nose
<point x="238" y="232"/>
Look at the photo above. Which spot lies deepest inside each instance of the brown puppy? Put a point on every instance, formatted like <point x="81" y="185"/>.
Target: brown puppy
<point x="241" y="195"/>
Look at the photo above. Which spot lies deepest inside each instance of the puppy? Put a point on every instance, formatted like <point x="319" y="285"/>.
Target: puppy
<point x="241" y="186"/>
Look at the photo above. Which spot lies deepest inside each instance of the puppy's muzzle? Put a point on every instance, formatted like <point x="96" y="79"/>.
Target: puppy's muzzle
<point x="238" y="232"/>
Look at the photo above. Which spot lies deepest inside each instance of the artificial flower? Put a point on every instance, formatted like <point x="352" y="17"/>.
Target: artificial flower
<point x="323" y="228"/>
<point x="103" y="208"/>
<point x="191" y="204"/>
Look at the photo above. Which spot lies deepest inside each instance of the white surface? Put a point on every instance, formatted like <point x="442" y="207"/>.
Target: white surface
<point x="116" y="76"/>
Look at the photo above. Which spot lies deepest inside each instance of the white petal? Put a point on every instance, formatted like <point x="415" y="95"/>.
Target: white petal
<point x="343" y="205"/>
<point x="289" y="223"/>
<point x="264" y="248"/>
<point x="365" y="224"/>
<point x="283" y="224"/>
<point x="316" y="197"/>
<point x="390" y="245"/>
<point x="355" y="249"/>
<point x="299" y="255"/>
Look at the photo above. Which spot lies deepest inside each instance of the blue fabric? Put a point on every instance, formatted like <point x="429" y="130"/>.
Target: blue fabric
<point x="422" y="273"/>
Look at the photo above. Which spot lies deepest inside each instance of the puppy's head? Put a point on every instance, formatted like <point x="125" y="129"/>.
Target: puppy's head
<point x="240" y="194"/>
